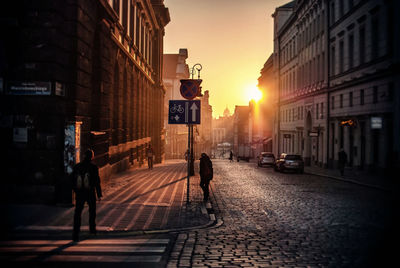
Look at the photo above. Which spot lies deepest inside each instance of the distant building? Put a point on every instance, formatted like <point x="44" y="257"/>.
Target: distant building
<point x="222" y="132"/>
<point x="242" y="129"/>
<point x="176" y="136"/>
<point x="335" y="72"/>
<point x="264" y="122"/>
<point x="75" y="75"/>
<point x="204" y="130"/>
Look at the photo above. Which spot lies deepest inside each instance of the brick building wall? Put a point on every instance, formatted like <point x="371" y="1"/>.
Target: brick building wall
<point x="89" y="66"/>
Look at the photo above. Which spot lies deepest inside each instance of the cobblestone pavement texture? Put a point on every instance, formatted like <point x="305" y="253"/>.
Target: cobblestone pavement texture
<point x="271" y="219"/>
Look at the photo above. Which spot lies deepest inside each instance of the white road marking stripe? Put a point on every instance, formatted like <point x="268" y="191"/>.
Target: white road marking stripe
<point x="120" y="259"/>
<point x="91" y="250"/>
<point x="90" y="258"/>
<point x="86" y="249"/>
<point x="59" y="228"/>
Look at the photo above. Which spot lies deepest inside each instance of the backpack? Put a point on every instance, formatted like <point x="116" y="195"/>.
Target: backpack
<point x="208" y="171"/>
<point x="83" y="183"/>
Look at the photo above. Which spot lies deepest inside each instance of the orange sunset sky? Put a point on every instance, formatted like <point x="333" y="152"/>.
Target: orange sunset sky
<point x="231" y="39"/>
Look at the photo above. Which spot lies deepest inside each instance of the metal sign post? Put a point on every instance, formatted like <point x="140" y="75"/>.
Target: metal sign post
<point x="188" y="166"/>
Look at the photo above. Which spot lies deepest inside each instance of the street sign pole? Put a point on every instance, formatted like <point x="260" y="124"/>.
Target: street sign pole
<point x="188" y="166"/>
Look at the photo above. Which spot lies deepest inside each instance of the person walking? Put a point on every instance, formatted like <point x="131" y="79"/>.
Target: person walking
<point x="150" y="154"/>
<point x="342" y="161"/>
<point x="206" y="175"/>
<point x="86" y="184"/>
<point x="231" y="156"/>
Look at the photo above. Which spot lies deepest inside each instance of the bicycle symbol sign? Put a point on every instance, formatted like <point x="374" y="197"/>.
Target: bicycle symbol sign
<point x="184" y="112"/>
<point x="176" y="109"/>
<point x="190" y="88"/>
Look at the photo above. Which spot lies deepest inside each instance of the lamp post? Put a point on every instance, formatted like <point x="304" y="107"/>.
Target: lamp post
<point x="191" y="136"/>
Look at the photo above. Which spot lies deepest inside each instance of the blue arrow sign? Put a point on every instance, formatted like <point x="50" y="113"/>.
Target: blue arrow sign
<point x="184" y="112"/>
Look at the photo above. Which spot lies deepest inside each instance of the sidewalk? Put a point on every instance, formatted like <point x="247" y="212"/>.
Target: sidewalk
<point x="161" y="207"/>
<point x="379" y="181"/>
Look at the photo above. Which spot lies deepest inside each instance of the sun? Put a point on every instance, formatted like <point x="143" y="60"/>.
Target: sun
<point x="253" y="93"/>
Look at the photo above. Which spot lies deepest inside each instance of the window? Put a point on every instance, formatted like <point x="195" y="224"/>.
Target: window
<point x="125" y="14"/>
<point x="351" y="99"/>
<point x="138" y="25"/>
<point x="322" y="110"/>
<point x="375" y="36"/>
<point x="351" y="51"/>
<point x="361" y="33"/>
<point x="341" y="100"/>
<point x="341" y="56"/>
<point x="332" y="13"/>
<point x="333" y="102"/>
<point x="116" y="6"/>
<point x="375" y="94"/>
<point x="333" y="57"/>
<point x="341" y="8"/>
<point x="132" y="22"/>
<point x="362" y="97"/>
<point x="317" y="111"/>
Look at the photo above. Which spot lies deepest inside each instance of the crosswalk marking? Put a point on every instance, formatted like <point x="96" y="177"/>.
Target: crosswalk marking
<point x="91" y="250"/>
<point x="85" y="242"/>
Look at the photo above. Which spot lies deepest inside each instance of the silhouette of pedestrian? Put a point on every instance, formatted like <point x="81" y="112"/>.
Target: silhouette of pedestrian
<point x="342" y="160"/>
<point x="231" y="156"/>
<point x="150" y="154"/>
<point x="85" y="183"/>
<point x="206" y="175"/>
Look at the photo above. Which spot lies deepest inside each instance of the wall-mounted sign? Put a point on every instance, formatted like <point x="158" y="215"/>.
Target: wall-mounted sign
<point x="29" y="88"/>
<point x="376" y="122"/>
<point x="313" y="134"/>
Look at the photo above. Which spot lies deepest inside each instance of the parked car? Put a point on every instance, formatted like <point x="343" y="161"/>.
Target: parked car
<point x="266" y="158"/>
<point x="290" y="162"/>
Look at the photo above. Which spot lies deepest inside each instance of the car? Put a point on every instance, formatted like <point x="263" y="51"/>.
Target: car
<point x="266" y="158"/>
<point x="293" y="162"/>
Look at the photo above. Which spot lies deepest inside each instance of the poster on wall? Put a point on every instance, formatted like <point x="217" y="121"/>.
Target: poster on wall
<point x="29" y="88"/>
<point x="72" y="133"/>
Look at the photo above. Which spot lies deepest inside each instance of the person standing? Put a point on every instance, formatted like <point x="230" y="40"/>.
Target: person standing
<point x="86" y="184"/>
<point x="150" y="154"/>
<point x="206" y="175"/>
<point x="342" y="160"/>
<point x="231" y="156"/>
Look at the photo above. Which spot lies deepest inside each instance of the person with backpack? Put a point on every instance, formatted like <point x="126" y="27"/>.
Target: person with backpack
<point x="86" y="184"/>
<point x="206" y="175"/>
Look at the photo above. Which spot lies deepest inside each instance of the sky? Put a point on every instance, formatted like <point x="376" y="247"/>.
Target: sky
<point x="231" y="39"/>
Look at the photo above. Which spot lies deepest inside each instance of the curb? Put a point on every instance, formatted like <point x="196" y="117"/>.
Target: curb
<point x="349" y="181"/>
<point x="60" y="230"/>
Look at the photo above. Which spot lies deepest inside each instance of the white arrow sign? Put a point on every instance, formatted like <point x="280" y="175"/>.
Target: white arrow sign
<point x="194" y="108"/>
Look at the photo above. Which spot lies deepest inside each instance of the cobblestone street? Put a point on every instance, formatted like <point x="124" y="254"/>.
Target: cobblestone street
<point x="271" y="219"/>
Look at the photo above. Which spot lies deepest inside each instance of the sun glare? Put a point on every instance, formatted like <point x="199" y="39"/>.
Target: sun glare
<point x="253" y="93"/>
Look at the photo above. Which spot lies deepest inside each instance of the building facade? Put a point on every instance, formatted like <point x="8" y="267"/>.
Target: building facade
<point x="337" y="78"/>
<point x="268" y="106"/>
<point x="79" y="74"/>
<point x="203" y="132"/>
